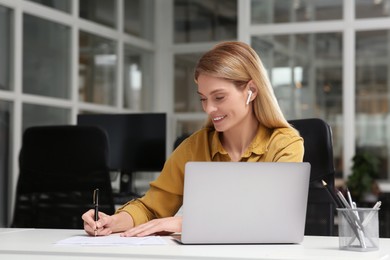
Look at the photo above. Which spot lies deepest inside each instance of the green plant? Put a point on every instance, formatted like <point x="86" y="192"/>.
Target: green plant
<point x="364" y="174"/>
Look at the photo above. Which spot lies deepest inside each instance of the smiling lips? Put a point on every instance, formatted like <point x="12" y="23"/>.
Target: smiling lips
<point x="218" y="118"/>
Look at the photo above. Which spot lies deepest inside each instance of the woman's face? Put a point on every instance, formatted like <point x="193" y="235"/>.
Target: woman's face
<point x="223" y="102"/>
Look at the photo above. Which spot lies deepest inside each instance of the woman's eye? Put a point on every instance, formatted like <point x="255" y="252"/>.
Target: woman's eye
<point x="219" y="97"/>
<point x="202" y="99"/>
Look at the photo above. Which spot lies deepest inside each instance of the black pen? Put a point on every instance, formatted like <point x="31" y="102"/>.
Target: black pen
<point x="96" y="202"/>
<point x="334" y="198"/>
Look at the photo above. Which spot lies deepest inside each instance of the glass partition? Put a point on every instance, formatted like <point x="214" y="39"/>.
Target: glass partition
<point x="6" y="140"/>
<point x="62" y="5"/>
<point x="202" y="21"/>
<point x="6" y="49"/>
<point x="306" y="73"/>
<point x="36" y="115"/>
<point x="46" y="58"/>
<point x="137" y="80"/>
<point x="288" y="11"/>
<point x="373" y="96"/>
<point x="99" y="11"/>
<point x="138" y="20"/>
<point x="97" y="69"/>
<point x="186" y="97"/>
<point x="372" y="9"/>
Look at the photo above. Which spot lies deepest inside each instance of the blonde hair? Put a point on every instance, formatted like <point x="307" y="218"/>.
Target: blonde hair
<point x="239" y="63"/>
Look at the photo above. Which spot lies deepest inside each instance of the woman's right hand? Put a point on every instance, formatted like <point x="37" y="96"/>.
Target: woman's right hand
<point x="102" y="227"/>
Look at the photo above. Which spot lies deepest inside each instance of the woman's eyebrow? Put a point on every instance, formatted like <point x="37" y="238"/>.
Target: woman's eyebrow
<point x="212" y="92"/>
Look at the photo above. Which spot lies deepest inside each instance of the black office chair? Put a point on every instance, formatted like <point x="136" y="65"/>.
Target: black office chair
<point x="317" y="136"/>
<point x="179" y="140"/>
<point x="60" y="166"/>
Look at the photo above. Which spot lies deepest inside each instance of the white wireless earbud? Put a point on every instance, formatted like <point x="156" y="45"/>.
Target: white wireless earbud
<point x="249" y="97"/>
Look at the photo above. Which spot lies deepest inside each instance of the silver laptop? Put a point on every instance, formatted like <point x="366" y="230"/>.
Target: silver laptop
<point x="244" y="202"/>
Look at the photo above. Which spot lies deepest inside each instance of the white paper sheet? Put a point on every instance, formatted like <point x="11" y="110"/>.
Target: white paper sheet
<point x="112" y="240"/>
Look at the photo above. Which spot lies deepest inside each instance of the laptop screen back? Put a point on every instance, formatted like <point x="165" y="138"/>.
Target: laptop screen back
<point x="241" y="202"/>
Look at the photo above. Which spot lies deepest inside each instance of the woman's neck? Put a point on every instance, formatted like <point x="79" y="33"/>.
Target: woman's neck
<point x="236" y="140"/>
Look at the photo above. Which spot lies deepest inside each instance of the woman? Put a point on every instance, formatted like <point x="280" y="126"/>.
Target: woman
<point x="244" y="124"/>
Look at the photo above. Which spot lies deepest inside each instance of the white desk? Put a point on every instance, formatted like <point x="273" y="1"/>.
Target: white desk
<point x="40" y="244"/>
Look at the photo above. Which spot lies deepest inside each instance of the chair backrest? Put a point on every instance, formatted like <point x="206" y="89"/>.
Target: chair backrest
<point x="59" y="168"/>
<point x="317" y="136"/>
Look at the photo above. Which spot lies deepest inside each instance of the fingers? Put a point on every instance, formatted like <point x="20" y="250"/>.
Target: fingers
<point x="103" y="232"/>
<point x="89" y="222"/>
<point x="99" y="228"/>
<point x="161" y="226"/>
<point x="104" y="226"/>
<point x="101" y="214"/>
<point x="103" y="221"/>
<point x="90" y="230"/>
<point x="88" y="216"/>
<point x="146" y="229"/>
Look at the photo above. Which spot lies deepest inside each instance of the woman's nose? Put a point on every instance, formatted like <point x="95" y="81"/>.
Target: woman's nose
<point x="209" y="107"/>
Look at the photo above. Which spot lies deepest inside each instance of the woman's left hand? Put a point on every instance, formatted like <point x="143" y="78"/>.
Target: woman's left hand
<point x="160" y="226"/>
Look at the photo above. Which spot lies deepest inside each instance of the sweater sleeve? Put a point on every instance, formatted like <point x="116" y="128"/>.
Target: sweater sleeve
<point x="165" y="195"/>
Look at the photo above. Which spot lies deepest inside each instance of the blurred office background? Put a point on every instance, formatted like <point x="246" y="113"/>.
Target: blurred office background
<point x="58" y="58"/>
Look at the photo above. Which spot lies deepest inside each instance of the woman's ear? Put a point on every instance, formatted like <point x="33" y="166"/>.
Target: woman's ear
<point x="252" y="92"/>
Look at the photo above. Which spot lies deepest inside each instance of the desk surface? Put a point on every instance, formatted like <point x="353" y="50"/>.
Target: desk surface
<point x="40" y="244"/>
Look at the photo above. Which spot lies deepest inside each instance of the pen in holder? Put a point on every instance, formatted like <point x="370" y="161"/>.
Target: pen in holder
<point x="358" y="229"/>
